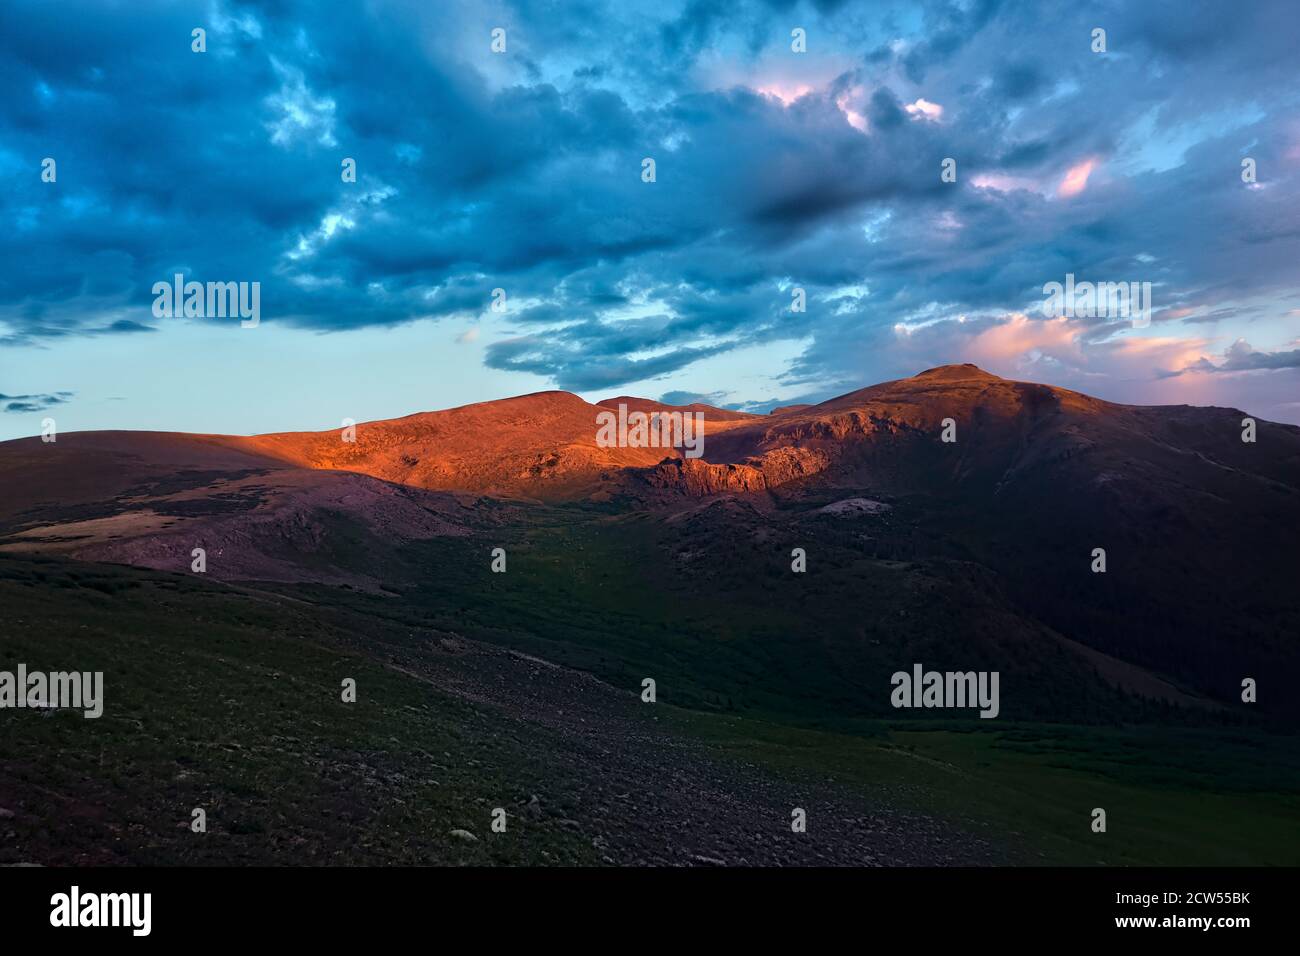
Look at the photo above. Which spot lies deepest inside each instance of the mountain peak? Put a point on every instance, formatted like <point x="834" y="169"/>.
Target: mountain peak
<point x="954" y="373"/>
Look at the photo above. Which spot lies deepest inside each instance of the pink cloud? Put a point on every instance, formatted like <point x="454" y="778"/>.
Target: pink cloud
<point x="1076" y="178"/>
<point x="786" y="93"/>
<point x="845" y="103"/>
<point x="1127" y="368"/>
<point x="856" y="119"/>
<point x="1057" y="350"/>
<point x="1006" y="344"/>
<point x="924" y="109"/>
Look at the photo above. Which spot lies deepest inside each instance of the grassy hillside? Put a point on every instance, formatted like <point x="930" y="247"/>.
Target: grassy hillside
<point x="230" y="702"/>
<point x="709" y="606"/>
<point x="228" y="698"/>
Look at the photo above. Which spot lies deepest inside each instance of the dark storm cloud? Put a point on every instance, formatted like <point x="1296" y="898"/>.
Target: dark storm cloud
<point x="523" y="171"/>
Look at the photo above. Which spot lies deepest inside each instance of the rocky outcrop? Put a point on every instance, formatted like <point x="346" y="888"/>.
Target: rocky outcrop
<point x="696" y="477"/>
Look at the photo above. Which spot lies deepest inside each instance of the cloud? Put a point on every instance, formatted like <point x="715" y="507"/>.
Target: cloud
<point x="127" y="326"/>
<point x="297" y="113"/>
<point x="924" y="109"/>
<point x="679" y="397"/>
<point x="1076" y="178"/>
<point x="34" y="403"/>
<point x="1242" y="357"/>
<point x="522" y="171"/>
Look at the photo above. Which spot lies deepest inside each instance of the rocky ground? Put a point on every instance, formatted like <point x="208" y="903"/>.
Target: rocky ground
<point x="649" y="792"/>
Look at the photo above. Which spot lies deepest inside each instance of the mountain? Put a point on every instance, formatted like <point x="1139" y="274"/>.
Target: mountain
<point x="1200" y="575"/>
<point x="540" y="446"/>
<point x="997" y="527"/>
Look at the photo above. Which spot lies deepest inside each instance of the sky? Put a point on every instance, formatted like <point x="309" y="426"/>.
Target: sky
<point x="778" y="172"/>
